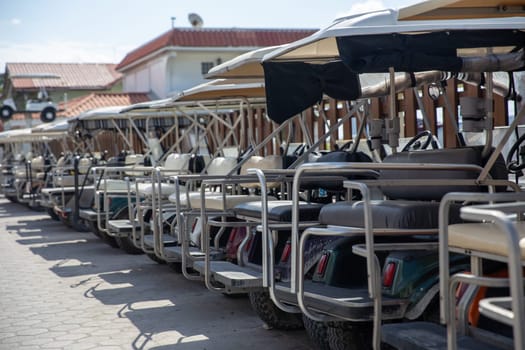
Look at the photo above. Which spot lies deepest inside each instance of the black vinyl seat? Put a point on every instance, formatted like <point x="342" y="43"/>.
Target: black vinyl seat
<point x="398" y="214"/>
<point x="413" y="207"/>
<point x="279" y="211"/>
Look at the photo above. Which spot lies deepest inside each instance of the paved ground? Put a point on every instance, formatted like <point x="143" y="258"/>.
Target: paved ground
<point x="61" y="289"/>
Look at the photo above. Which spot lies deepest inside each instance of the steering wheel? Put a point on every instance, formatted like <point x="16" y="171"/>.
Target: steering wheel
<point x="415" y="143"/>
<point x="514" y="165"/>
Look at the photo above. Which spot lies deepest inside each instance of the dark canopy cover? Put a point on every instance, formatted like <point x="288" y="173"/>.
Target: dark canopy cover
<point x="291" y="87"/>
<point x="419" y="52"/>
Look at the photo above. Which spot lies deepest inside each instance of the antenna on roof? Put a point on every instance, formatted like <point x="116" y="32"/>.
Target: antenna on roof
<point x="195" y="20"/>
<point x="173" y="22"/>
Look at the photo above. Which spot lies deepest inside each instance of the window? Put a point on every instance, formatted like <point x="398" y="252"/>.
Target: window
<point x="206" y="66"/>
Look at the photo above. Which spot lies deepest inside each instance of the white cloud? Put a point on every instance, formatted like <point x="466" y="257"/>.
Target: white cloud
<point x="60" y="52"/>
<point x="15" y="21"/>
<point x="362" y="7"/>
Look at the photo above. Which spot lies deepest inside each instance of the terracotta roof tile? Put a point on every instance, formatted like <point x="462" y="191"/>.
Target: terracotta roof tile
<point x="215" y="37"/>
<point x="98" y="99"/>
<point x="78" y="76"/>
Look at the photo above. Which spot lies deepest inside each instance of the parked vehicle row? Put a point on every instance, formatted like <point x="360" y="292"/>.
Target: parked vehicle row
<point x="366" y="245"/>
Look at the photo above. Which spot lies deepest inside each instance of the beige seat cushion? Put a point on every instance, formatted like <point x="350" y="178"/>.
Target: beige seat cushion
<point x="146" y="189"/>
<point x="68" y="180"/>
<point x="113" y="185"/>
<point x="193" y="197"/>
<point x="483" y="237"/>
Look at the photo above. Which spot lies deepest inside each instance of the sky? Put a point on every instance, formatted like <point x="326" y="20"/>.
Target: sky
<point x="103" y="31"/>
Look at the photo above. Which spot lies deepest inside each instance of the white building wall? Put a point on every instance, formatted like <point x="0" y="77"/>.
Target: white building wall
<point x="172" y="72"/>
<point x="185" y="69"/>
<point x="157" y="78"/>
<point x="149" y="77"/>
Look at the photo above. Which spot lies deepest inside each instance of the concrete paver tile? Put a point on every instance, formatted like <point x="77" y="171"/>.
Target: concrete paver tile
<point x="63" y="289"/>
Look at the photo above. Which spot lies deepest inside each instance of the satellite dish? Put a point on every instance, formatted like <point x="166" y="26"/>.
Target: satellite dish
<point x="195" y="20"/>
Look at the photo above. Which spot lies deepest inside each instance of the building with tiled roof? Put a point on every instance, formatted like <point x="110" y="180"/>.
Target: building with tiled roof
<point x="61" y="81"/>
<point x="178" y="59"/>
<point x="100" y="99"/>
<point x="62" y="76"/>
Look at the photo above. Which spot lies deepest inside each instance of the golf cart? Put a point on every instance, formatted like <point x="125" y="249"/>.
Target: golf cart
<point x="404" y="217"/>
<point x="42" y="104"/>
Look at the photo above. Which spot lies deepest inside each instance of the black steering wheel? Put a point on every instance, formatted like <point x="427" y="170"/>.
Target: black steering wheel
<point x="514" y="166"/>
<point x="415" y="144"/>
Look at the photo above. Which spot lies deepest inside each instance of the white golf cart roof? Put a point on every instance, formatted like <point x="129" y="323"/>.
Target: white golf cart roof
<point x="28" y="135"/>
<point x="461" y="9"/>
<point x="245" y="66"/>
<point x="322" y="46"/>
<point x="223" y="89"/>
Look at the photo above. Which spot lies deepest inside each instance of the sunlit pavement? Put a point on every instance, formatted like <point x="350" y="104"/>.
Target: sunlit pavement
<point x="62" y="289"/>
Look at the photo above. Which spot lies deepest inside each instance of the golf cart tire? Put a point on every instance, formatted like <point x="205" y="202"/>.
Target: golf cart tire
<point x="48" y="114"/>
<point x="6" y="113"/>
<point x="274" y="317"/>
<point x="52" y="214"/>
<point x="94" y="228"/>
<point x="109" y="239"/>
<point x="155" y="258"/>
<point x="79" y="226"/>
<point x="317" y="332"/>
<point x="349" y="336"/>
<point x="126" y="244"/>
<point x="12" y="199"/>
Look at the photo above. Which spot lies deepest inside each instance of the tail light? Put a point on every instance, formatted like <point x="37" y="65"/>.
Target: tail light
<point x="249" y="244"/>
<point x="389" y="273"/>
<point x="323" y="263"/>
<point x="286" y="252"/>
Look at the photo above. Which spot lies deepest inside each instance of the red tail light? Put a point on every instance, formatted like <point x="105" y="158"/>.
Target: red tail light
<point x="323" y="263"/>
<point x="388" y="274"/>
<point x="249" y="244"/>
<point x="286" y="252"/>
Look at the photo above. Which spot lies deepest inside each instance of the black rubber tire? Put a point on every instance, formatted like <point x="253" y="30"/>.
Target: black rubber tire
<point x="48" y="115"/>
<point x="12" y="199"/>
<point x="52" y="214"/>
<point x="274" y="317"/>
<point x="80" y="226"/>
<point x="317" y="332"/>
<point x="431" y="313"/>
<point x="349" y="336"/>
<point x="175" y="266"/>
<point x="155" y="258"/>
<point x="94" y="228"/>
<point x="109" y="239"/>
<point x="126" y="244"/>
<point x="6" y="113"/>
<point x="65" y="220"/>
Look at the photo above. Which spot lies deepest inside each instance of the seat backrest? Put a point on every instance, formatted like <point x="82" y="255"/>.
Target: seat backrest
<point x="466" y="155"/>
<point x="268" y="162"/>
<point x="265" y="163"/>
<point x="61" y="162"/>
<point x="38" y="163"/>
<point x="134" y="160"/>
<point x="221" y="165"/>
<point x="178" y="162"/>
<point x="83" y="165"/>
